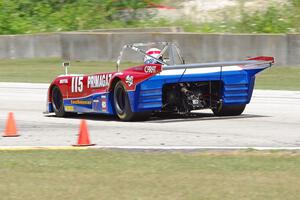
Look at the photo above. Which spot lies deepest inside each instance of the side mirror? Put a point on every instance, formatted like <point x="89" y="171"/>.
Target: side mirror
<point x="66" y="65"/>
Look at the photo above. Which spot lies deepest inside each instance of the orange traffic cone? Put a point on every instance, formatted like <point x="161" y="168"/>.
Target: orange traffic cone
<point x="83" y="138"/>
<point x="10" y="129"/>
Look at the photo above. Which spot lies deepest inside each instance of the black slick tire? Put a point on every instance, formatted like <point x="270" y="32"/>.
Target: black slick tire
<point x="57" y="102"/>
<point x="122" y="105"/>
<point x="229" y="110"/>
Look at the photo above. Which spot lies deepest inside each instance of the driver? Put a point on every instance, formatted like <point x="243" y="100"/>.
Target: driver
<point x="156" y="53"/>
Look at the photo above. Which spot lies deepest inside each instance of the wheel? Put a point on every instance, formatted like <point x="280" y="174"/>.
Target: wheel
<point x="229" y="110"/>
<point x="58" y="103"/>
<point x="122" y="105"/>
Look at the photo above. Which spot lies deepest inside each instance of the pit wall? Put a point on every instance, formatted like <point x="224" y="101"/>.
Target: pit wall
<point x="105" y="46"/>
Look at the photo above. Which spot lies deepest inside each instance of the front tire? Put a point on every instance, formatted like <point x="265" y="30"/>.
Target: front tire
<point x="58" y="102"/>
<point x="229" y="110"/>
<point x="122" y="105"/>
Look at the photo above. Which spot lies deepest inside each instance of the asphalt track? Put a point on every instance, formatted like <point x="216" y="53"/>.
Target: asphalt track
<point x="270" y="121"/>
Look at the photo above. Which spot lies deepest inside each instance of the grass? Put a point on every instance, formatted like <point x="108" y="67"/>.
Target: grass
<point x="104" y="174"/>
<point x="45" y="70"/>
<point x="279" y="78"/>
<point x="18" y="17"/>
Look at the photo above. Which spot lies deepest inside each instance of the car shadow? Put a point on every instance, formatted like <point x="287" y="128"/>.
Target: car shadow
<point x="197" y="117"/>
<point x="89" y="116"/>
<point x="163" y="117"/>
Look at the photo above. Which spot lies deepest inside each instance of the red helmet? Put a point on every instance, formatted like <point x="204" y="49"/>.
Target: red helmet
<point x="154" y="52"/>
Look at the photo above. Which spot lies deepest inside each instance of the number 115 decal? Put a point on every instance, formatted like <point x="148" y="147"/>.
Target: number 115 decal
<point x="77" y="84"/>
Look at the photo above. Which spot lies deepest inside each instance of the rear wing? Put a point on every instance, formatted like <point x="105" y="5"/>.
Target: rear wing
<point x="250" y="62"/>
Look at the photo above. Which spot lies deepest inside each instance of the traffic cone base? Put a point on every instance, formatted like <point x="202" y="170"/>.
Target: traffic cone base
<point x="16" y="135"/>
<point x="83" y="137"/>
<point x="10" y="129"/>
<point x="83" y="145"/>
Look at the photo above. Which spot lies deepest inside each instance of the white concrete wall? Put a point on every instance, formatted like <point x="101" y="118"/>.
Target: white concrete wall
<point x="195" y="47"/>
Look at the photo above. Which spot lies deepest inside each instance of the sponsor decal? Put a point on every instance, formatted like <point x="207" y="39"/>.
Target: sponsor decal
<point x="139" y="68"/>
<point x="69" y="108"/>
<point x="77" y="84"/>
<point x="97" y="81"/>
<point x="63" y="81"/>
<point x="150" y="69"/>
<point x="103" y="103"/>
<point x="129" y="80"/>
<point x="97" y="104"/>
<point x="81" y="102"/>
<point x="119" y="73"/>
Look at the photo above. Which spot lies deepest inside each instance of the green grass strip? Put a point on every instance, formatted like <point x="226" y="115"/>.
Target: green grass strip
<point x="44" y="70"/>
<point x="107" y="174"/>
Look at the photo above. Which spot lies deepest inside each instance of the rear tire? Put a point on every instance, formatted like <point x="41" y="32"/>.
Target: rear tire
<point x="122" y="105"/>
<point x="58" y="102"/>
<point x="229" y="110"/>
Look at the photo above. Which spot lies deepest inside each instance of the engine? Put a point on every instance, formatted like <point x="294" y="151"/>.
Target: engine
<point x="184" y="97"/>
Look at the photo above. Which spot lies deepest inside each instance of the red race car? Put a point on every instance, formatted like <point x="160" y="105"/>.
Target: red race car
<point x="163" y="83"/>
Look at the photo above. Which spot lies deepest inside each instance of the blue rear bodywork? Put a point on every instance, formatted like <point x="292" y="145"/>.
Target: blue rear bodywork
<point x="237" y="88"/>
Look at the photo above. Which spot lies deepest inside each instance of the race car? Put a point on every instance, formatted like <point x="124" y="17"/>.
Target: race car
<point x="162" y="83"/>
